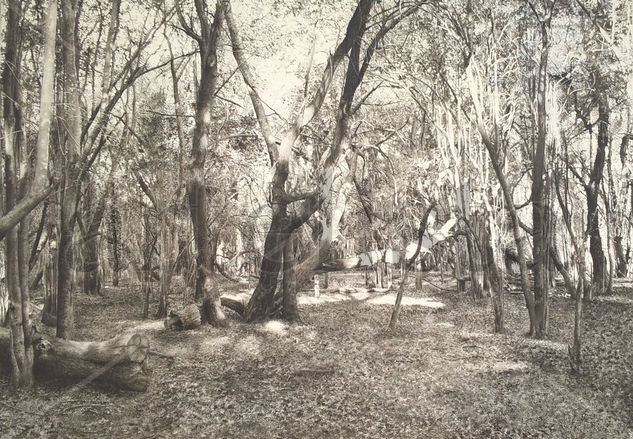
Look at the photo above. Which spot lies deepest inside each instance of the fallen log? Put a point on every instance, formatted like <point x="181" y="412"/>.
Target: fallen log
<point x="234" y="305"/>
<point x="119" y="361"/>
<point x="51" y="364"/>
<point x="132" y="348"/>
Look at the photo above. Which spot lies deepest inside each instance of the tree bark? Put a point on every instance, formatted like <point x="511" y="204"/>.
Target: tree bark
<point x="598" y="278"/>
<point x="540" y="198"/>
<point x="118" y="362"/>
<point x="71" y="171"/>
<point x="114" y="241"/>
<point x="516" y="227"/>
<point x="393" y="321"/>
<point x="208" y="42"/>
<point x="92" y="278"/>
<point x="290" y="308"/>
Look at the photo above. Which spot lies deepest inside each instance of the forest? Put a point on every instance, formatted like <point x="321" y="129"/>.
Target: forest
<point x="316" y="218"/>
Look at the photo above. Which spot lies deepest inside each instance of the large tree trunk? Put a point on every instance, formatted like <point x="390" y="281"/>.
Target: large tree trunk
<point x="261" y="304"/>
<point x="290" y="308"/>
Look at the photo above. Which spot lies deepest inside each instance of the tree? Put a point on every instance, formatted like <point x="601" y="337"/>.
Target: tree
<point x="208" y="41"/>
<point x="18" y="186"/>
<point x="71" y="169"/>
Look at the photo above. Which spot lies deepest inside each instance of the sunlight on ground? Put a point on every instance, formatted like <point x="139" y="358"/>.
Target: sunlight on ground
<point x="390" y="299"/>
<point x="550" y="344"/>
<point x="154" y="325"/>
<point x="214" y="345"/>
<point x="274" y="327"/>
<point x="615" y="299"/>
<point x="446" y="325"/>
<point x="500" y="367"/>
<point x="249" y="346"/>
<point x="309" y="299"/>
<point x="371" y="298"/>
<point x="466" y="335"/>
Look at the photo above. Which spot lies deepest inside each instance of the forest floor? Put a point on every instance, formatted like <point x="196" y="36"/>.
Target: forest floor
<point x="441" y="374"/>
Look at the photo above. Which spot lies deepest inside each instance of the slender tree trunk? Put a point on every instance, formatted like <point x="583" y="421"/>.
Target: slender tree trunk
<point x="516" y="228"/>
<point x="393" y="321"/>
<point x="621" y="264"/>
<point x="70" y="190"/>
<point x="196" y="187"/>
<point x="598" y="278"/>
<point x="92" y="278"/>
<point x="541" y="239"/>
<point x="146" y="280"/>
<point x="17" y="186"/>
<point x="476" y="272"/>
<point x="491" y="256"/>
<point x="167" y="259"/>
<point x="114" y="241"/>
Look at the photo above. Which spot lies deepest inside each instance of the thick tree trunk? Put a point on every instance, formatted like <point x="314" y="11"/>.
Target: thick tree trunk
<point x="290" y="309"/>
<point x="261" y="305"/>
<point x="129" y="348"/>
<point x="475" y="258"/>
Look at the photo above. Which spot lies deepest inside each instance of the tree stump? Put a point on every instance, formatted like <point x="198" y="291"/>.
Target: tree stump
<point x="186" y="318"/>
